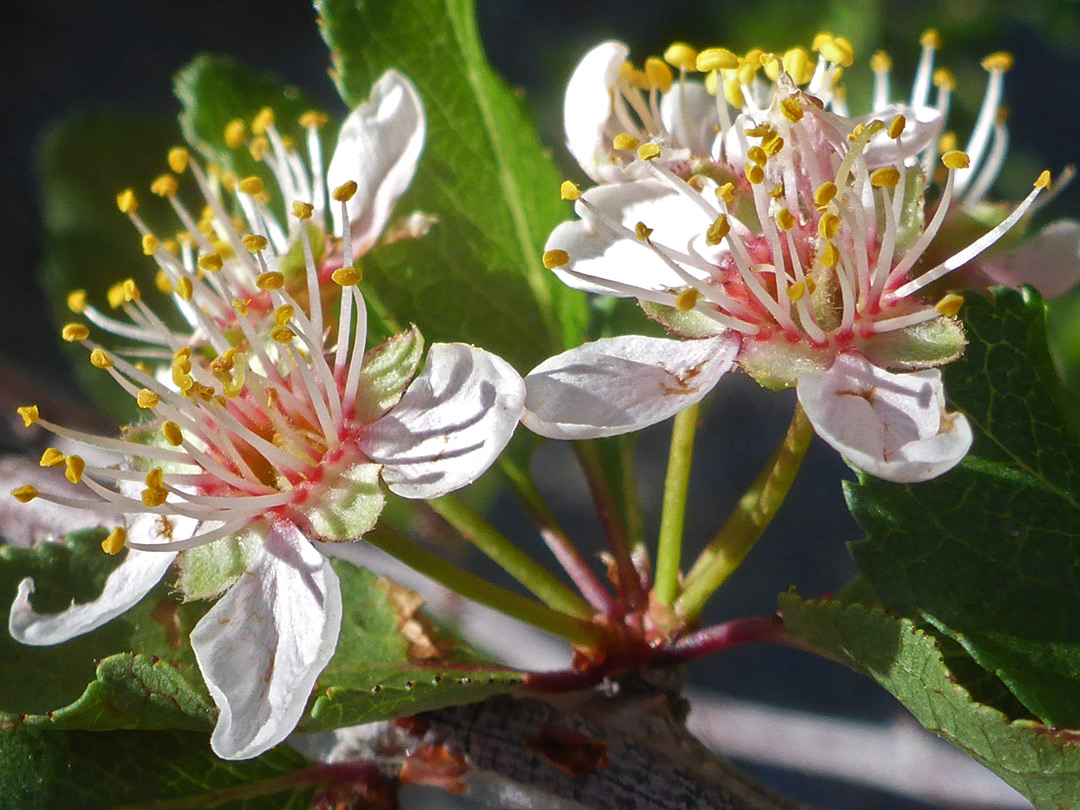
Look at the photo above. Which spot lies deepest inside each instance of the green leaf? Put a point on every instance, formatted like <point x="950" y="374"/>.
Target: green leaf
<point x="373" y="676"/>
<point x="990" y="553"/>
<point x="1041" y="762"/>
<point x="477" y="276"/>
<point x="42" y="770"/>
<point x="94" y="681"/>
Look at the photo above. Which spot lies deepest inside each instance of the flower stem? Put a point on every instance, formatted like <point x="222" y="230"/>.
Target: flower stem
<point x="756" y="509"/>
<point x="479" y="590"/>
<point x="630" y="587"/>
<point x="673" y="514"/>
<point x="509" y="557"/>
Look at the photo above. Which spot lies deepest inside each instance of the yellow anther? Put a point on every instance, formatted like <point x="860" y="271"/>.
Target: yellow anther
<point x="115" y="295"/>
<point x="114" y="543"/>
<point x="184" y="288"/>
<point x="127" y="202"/>
<point x="271" y="280"/>
<point x="252" y="185"/>
<point x="772" y="143"/>
<point x="178" y="159"/>
<point x="52" y="458"/>
<point x="241" y="305"/>
<point x="345" y="191"/>
<point x="313" y="118"/>
<point x="642" y="231"/>
<point x="99" y="359"/>
<point x="172" y="246"/>
<point x="147" y="398"/>
<point x="681" y="55"/>
<point x="947" y="142"/>
<point x="235" y="133"/>
<point x="687" y="299"/>
<point x="733" y="93"/>
<point x="271" y="397"/>
<point x="748" y="68"/>
<point x="772" y="65"/>
<point x="254" y="242"/>
<point x="944" y="79"/>
<point x="757" y="154"/>
<point x="885" y="177"/>
<point x="785" y="219"/>
<point x="282" y="334"/>
<point x="29" y="414"/>
<point x="25" y="493"/>
<point x="259" y="147"/>
<point x="856" y="132"/>
<point x="74" y="332"/>
<point x="172" y="433"/>
<point x="74" y="466"/>
<point x="896" y="127"/>
<point x="798" y="65"/>
<point x="777" y="191"/>
<point x="830" y="256"/>
<point x="223" y="363"/>
<point x="150" y="244"/>
<point x="998" y="61"/>
<point x="796" y="291"/>
<point x="955" y="159"/>
<point x="284" y="314"/>
<point x="820" y="40"/>
<point x="154" y="497"/>
<point x="569" y="191"/>
<point x="716" y="59"/>
<point x="792" y="109"/>
<point x="838" y="51"/>
<point x="829" y="225"/>
<point x="930" y="39"/>
<point x="1044" y="180"/>
<point x="203" y="392"/>
<point x="555" y="258"/>
<point x="210" y="262"/>
<point x="754" y="173"/>
<point x="165" y="185"/>
<point x="711" y="82"/>
<point x="718" y="230"/>
<point x="161" y="281"/>
<point x="726" y="192"/>
<point x="824" y="195"/>
<point x="302" y="210"/>
<point x="875" y="126"/>
<point x="625" y="142"/>
<point x="263" y="119"/>
<point x="658" y="74"/>
<point x="880" y="62"/>
<point x="648" y="151"/>
<point x="949" y="305"/>
<point x="347" y="276"/>
<point x="131" y="291"/>
<point x="155" y="479"/>
<point x="76" y="301"/>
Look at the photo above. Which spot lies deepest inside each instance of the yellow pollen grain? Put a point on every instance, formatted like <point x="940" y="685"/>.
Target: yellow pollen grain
<point x="716" y="59"/>
<point x="830" y="256"/>
<point x="178" y="159"/>
<point x="772" y="143"/>
<point x="254" y="242"/>
<point x="114" y="543"/>
<point x="271" y="280"/>
<point x="875" y="126"/>
<point x="881" y="62"/>
<point x="76" y="301"/>
<point x="757" y="155"/>
<point x="99" y="359"/>
<point x="184" y="288"/>
<point x="241" y="305"/>
<point x="785" y="219"/>
<point x="155" y="478"/>
<point x="115" y="296"/>
<point x="791" y="109"/>
<point x="74" y="332"/>
<point x="127" y="202"/>
<point x="282" y="334"/>
<point x="642" y="231"/>
<point x="262" y="121"/>
<point x="259" y="147"/>
<point x="345" y="191"/>
<point x="302" y="210"/>
<point x="658" y="74"/>
<point x="172" y="433"/>
<point x="161" y="281"/>
<point x="687" y="300"/>
<point x="165" y="185"/>
<point x="777" y="191"/>
<point x="154" y="497"/>
<point x="235" y="132"/>
<point x="717" y="231"/>
<point x="74" y="466"/>
<point x="930" y="39"/>
<point x="555" y="258"/>
<point x="1044" y="180"/>
<point x="210" y="262"/>
<point x="798" y="65"/>
<point x="25" y="493"/>
<point x="147" y="398"/>
<point x="569" y="191"/>
<point x="944" y="79"/>
<point x="681" y="55"/>
<point x="648" y="151"/>
<point x="896" y="127"/>
<point x="150" y="244"/>
<point x="52" y="458"/>
<point x="796" y="291"/>
<point x="29" y="414"/>
<point x="346" y="276"/>
<point x="251" y="185"/>
<point x="824" y="194"/>
<point x="829" y="226"/>
<point x="754" y="173"/>
<point x="625" y="142"/>
<point x="283" y="314"/>
<point x="956" y="159"/>
<point x="313" y="119"/>
<point x="998" y="61"/>
<point x="838" y="51"/>
<point x="131" y="291"/>
<point x="885" y="177"/>
<point x="949" y="305"/>
<point x="726" y="192"/>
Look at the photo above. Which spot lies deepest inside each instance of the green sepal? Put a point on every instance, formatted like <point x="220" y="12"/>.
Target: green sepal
<point x="387" y="371"/>
<point x="777" y="366"/>
<point x="206" y="571"/>
<point x="349" y="502"/>
<point x="692" y="324"/>
<point x="924" y="345"/>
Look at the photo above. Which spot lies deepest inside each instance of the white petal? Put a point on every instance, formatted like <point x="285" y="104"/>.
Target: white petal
<point x="450" y="425"/>
<point x="261" y="647"/>
<point x="617" y="385"/>
<point x="597" y="251"/>
<point x="379" y="145"/>
<point x="922" y="128"/>
<point x="688" y="112"/>
<point x="892" y="426"/>
<point x="126" y="585"/>
<point x="587" y="110"/>
<point x="1049" y="261"/>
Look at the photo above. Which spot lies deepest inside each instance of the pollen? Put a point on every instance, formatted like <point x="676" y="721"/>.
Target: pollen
<point x="829" y="226"/>
<point x="284" y="314"/>
<point x="154" y="497"/>
<point x="1044" y="180"/>
<point x="313" y="119"/>
<point x="74" y="466"/>
<point x="254" y="242"/>
<point x="956" y="159"/>
<point x="733" y="93"/>
<point x="165" y="185"/>
<point x="235" y="132"/>
<point x="885" y="177"/>
<point x="796" y="291"/>
<point x="944" y="79"/>
<point x="210" y="262"/>
<point x="642" y="231"/>
<point x="29" y="414"/>
<point x="76" y="301"/>
<point x="52" y="458"/>
<point x="241" y="305"/>
<point x="114" y="543"/>
<point x="127" y="202"/>
<point x="252" y="185"/>
<point x="824" y="195"/>
<point x="161" y="281"/>
<point x="25" y="493"/>
<point x="147" y="398"/>
<point x="930" y="39"/>
<point x="791" y="109"/>
<point x="260" y="145"/>
<point x="115" y="296"/>
<point x="302" y="210"/>
<point x="717" y="231"/>
<point x="896" y="127"/>
<point x="716" y="59"/>
<point x="798" y="65"/>
<point x="131" y="291"/>
<point x="99" y="359"/>
<point x="881" y="62"/>
<point x="271" y="280"/>
<point x="178" y="159"/>
<point x="172" y="433"/>
<point x="648" y="151"/>
<point x="74" y="332"/>
<point x="726" y="192"/>
<point x="681" y="55"/>
<point x="625" y="142"/>
<point x="658" y="74"/>
<point x="184" y="288"/>
<point x="345" y="191"/>
<point x="830" y="256"/>
<point x="282" y="334"/>
<point x="754" y="173"/>
<point x="569" y="191"/>
<point x="998" y="61"/>
<point x="757" y="155"/>
<point x="346" y="276"/>
<point x="687" y="300"/>
<point x="262" y="121"/>
<point x="837" y="50"/>
<point x="949" y="305"/>
<point x="150" y="244"/>
<point x="555" y="258"/>
<point x="785" y="219"/>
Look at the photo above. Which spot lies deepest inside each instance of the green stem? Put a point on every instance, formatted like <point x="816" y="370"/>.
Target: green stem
<point x="635" y="522"/>
<point x="479" y="590"/>
<point x="673" y="514"/>
<point x="502" y="551"/>
<point x="756" y="509"/>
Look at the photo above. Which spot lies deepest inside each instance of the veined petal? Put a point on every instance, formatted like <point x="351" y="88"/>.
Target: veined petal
<point x="923" y="127"/>
<point x="587" y="109"/>
<point x="688" y="112"/>
<point x="379" y="145"/>
<point x="450" y="425"/>
<point x="261" y="647"/>
<point x="618" y="385"/>
<point x="892" y="426"/>
<point x="125" y="587"/>
<point x="1048" y="261"/>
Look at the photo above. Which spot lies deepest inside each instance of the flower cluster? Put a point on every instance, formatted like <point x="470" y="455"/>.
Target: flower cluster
<point x="751" y="215"/>
<point x="260" y="442"/>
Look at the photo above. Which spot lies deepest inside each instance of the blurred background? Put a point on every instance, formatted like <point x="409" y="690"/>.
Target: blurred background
<point x="64" y="62"/>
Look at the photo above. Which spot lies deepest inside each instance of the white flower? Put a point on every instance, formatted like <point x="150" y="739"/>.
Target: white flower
<point x="260" y="441"/>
